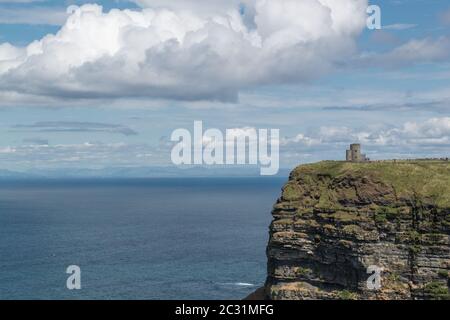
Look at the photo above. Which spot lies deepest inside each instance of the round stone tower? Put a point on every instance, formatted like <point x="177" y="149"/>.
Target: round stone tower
<point x="356" y="152"/>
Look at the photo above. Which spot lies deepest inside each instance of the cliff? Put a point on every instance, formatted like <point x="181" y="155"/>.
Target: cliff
<point x="335" y="219"/>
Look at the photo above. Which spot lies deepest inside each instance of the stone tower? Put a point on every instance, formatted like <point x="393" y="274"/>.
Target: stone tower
<point x="349" y="155"/>
<point x="354" y="154"/>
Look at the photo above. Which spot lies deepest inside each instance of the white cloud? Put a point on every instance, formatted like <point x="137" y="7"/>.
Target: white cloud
<point x="74" y="126"/>
<point x="7" y="150"/>
<point x="426" y="50"/>
<point x="9" y="56"/>
<point x="427" y="139"/>
<point x="412" y="139"/>
<point x="184" y="55"/>
<point x="434" y="131"/>
<point x="81" y="155"/>
<point x="400" y="26"/>
<point x="301" y="139"/>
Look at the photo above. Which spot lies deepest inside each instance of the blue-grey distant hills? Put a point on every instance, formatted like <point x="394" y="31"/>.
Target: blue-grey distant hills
<point x="136" y="172"/>
<point x="14" y="175"/>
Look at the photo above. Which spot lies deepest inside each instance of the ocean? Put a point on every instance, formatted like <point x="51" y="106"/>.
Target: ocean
<point x="168" y="238"/>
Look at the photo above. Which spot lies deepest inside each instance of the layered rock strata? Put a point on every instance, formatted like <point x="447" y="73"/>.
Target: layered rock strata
<point x="375" y="230"/>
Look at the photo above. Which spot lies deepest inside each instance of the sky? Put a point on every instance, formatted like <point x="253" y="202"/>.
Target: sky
<point x="105" y="83"/>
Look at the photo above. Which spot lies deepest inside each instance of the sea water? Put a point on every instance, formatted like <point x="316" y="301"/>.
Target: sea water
<point x="171" y="238"/>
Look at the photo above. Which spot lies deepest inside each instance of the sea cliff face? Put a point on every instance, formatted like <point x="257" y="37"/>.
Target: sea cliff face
<point x="334" y="220"/>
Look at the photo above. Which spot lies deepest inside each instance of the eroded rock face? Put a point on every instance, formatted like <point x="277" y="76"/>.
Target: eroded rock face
<point x="334" y="220"/>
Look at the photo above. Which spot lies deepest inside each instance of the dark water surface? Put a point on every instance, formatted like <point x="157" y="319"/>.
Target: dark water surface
<point x="135" y="239"/>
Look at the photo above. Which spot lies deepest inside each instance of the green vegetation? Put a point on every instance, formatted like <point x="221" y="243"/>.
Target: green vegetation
<point x="437" y="290"/>
<point x="302" y="272"/>
<point x="326" y="199"/>
<point x="443" y="274"/>
<point x="388" y="212"/>
<point x="413" y="236"/>
<point x="427" y="179"/>
<point x="343" y="216"/>
<point x="347" y="295"/>
<point x="380" y="218"/>
<point x="414" y="250"/>
<point x="384" y="214"/>
<point x="291" y="192"/>
<point x="394" y="277"/>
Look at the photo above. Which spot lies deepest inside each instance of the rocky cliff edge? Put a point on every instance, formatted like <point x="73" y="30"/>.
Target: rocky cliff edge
<point x="336" y="220"/>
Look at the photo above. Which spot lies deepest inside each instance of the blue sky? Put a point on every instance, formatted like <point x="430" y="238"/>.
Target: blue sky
<point x="388" y="89"/>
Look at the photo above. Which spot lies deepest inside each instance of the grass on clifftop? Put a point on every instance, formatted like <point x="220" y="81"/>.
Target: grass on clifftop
<point x="429" y="179"/>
